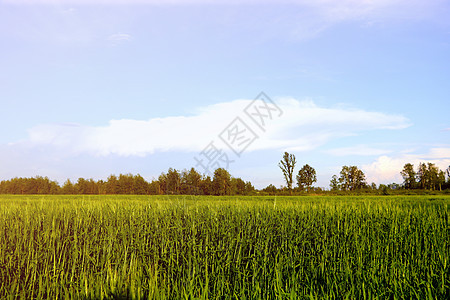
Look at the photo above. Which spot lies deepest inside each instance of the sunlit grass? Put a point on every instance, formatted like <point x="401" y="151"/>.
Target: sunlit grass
<point x="189" y="247"/>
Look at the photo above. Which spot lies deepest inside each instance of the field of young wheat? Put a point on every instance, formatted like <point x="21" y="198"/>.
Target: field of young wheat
<point x="157" y="247"/>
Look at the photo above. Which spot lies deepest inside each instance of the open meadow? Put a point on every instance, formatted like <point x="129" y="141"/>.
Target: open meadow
<point x="157" y="247"/>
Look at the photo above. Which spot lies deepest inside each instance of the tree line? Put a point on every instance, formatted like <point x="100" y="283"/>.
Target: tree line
<point x="428" y="176"/>
<point x="173" y="182"/>
<point x="190" y="182"/>
<point x="352" y="179"/>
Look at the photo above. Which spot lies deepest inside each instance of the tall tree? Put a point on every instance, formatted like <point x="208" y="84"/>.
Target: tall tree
<point x="306" y="177"/>
<point x="409" y="176"/>
<point x="287" y="165"/>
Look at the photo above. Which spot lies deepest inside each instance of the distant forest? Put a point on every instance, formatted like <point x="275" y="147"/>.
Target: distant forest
<point x="187" y="182"/>
<point x="428" y="178"/>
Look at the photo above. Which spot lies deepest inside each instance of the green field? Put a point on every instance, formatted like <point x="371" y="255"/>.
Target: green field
<point x="156" y="247"/>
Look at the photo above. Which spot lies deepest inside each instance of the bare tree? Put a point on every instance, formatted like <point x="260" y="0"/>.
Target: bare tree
<point x="287" y="165"/>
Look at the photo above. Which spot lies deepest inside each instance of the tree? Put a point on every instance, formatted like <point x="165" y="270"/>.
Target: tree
<point x="448" y="173"/>
<point x="237" y="186"/>
<point x="92" y="187"/>
<point x="206" y="185"/>
<point x="422" y="176"/>
<point x="433" y="173"/>
<point x="140" y="185"/>
<point x="287" y="165"/>
<point x="352" y="178"/>
<point x="428" y="176"/>
<point x="162" y="180"/>
<point x="334" y="183"/>
<point x="190" y="182"/>
<point x="306" y="177"/>
<point x="68" y="188"/>
<point x="173" y="181"/>
<point x="249" y="188"/>
<point x="125" y="184"/>
<point x="221" y="182"/>
<point x="81" y="186"/>
<point x="112" y="185"/>
<point x="441" y="179"/>
<point x="153" y="187"/>
<point x="384" y="189"/>
<point x="102" y="187"/>
<point x="409" y="176"/>
<point x="447" y="183"/>
<point x="270" y="189"/>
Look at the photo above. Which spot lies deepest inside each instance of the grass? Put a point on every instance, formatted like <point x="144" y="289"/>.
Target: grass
<point x="158" y="247"/>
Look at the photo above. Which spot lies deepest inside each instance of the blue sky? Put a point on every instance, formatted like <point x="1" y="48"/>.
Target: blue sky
<point x="91" y="88"/>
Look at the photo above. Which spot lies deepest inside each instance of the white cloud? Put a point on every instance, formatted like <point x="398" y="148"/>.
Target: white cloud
<point x="302" y="126"/>
<point x="360" y="150"/>
<point x="386" y="169"/>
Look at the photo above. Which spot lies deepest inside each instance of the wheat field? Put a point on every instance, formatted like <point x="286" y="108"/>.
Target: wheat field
<point x="198" y="247"/>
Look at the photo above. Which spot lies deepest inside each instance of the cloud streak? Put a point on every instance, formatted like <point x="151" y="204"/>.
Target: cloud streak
<point x="303" y="126"/>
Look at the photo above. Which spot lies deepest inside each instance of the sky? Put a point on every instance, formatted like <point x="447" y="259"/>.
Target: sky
<point x="90" y="88"/>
